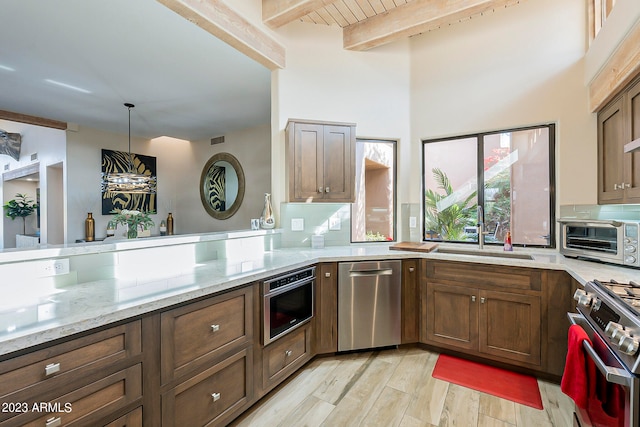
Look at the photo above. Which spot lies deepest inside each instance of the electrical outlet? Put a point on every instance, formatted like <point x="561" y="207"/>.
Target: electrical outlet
<point x="297" y="224"/>
<point x="412" y="222"/>
<point x="334" y="223"/>
<point x="53" y="267"/>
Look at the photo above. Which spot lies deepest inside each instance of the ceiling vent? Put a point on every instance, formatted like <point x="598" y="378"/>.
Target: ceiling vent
<point x="34" y="157"/>
<point x="217" y="140"/>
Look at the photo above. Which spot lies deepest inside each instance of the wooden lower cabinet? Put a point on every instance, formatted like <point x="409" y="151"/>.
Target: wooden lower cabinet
<point x="87" y="405"/>
<point x="410" y="301"/>
<point x="212" y="397"/>
<point x="498" y="321"/>
<point x="283" y="357"/>
<point x="131" y="419"/>
<point x="325" y="323"/>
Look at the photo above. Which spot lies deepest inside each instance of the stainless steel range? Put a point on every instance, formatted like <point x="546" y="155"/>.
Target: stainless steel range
<point x="609" y="312"/>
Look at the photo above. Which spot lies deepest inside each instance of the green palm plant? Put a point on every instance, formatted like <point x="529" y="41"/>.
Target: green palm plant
<point x="448" y="223"/>
<point x="21" y="207"/>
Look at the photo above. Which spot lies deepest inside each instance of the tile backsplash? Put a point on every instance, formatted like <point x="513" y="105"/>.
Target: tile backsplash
<point x="620" y="212"/>
<point x="300" y="221"/>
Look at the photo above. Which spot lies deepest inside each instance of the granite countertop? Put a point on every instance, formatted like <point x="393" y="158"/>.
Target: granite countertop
<point x="54" y="313"/>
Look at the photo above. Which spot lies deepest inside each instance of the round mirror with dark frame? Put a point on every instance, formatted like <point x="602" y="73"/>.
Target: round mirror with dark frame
<point x="222" y="186"/>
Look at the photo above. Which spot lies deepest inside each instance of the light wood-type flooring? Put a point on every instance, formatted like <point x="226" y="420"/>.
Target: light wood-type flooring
<point x="394" y="388"/>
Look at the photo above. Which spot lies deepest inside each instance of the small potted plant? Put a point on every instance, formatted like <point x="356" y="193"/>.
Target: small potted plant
<point x="134" y="220"/>
<point x="22" y="207"/>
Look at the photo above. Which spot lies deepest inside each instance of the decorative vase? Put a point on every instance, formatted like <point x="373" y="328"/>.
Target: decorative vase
<point x="111" y="228"/>
<point x="132" y="231"/>
<point x="89" y="228"/>
<point x="170" y="224"/>
<point x="267" y="220"/>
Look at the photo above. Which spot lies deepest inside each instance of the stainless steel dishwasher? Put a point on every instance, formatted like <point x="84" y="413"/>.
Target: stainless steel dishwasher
<point x="369" y="298"/>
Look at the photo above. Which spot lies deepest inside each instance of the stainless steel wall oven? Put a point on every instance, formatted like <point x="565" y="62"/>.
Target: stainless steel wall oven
<point x="287" y="303"/>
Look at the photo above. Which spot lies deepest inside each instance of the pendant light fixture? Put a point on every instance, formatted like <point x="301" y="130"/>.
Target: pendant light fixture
<point x="128" y="182"/>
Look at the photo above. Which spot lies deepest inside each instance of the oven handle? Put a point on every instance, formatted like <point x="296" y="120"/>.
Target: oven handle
<point x="612" y="375"/>
<point x="590" y="222"/>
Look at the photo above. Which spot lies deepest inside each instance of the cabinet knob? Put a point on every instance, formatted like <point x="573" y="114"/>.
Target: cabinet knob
<point x="326" y="190"/>
<point x="215" y="328"/>
<point x="482" y="300"/>
<point x="53" y="422"/>
<point x="412" y="269"/>
<point x="319" y="189"/>
<point x="473" y="298"/>
<point x="215" y="396"/>
<point x="51" y="369"/>
<point x="327" y="274"/>
<point x="288" y="353"/>
<point x="627" y="185"/>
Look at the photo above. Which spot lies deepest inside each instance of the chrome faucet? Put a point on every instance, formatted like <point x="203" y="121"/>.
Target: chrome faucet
<point x="481" y="232"/>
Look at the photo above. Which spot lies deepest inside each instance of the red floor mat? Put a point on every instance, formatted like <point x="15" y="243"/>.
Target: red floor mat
<point x="488" y="379"/>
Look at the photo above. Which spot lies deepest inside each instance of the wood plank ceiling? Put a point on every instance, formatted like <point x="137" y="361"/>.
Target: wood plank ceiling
<point x="370" y="23"/>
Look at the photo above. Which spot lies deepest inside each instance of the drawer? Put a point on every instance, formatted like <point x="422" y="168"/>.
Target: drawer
<point x="87" y="405"/>
<point x="131" y="419"/>
<point x="480" y="275"/>
<point x="212" y="397"/>
<point x="285" y="355"/>
<point x="194" y="334"/>
<point x="62" y="367"/>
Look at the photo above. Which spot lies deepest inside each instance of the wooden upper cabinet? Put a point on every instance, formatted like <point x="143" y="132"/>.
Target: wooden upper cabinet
<point x="619" y="172"/>
<point x="321" y="161"/>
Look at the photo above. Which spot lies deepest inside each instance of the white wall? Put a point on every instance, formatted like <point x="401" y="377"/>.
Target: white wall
<point x="179" y="165"/>
<point x="49" y="145"/>
<point x="322" y="81"/>
<point x="517" y="66"/>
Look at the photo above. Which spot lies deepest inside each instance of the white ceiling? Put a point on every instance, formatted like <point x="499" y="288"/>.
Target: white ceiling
<point x="184" y="82"/>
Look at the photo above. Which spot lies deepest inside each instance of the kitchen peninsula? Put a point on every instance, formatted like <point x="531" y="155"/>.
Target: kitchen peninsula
<point x="133" y="299"/>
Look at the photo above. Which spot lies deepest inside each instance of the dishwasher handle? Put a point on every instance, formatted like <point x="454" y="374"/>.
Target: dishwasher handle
<point x="374" y="272"/>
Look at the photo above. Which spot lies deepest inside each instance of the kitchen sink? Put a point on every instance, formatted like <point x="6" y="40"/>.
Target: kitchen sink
<point x="494" y="254"/>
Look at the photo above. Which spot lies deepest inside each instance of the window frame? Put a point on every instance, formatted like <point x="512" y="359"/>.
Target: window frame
<point x="394" y="143"/>
<point x="480" y="178"/>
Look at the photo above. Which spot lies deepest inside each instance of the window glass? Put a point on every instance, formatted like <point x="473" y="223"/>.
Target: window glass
<point x="373" y="215"/>
<point x="509" y="174"/>
<point x="451" y="184"/>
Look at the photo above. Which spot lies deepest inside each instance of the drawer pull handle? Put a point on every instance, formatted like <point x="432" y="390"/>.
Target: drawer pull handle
<point x="51" y="369"/>
<point x="482" y="300"/>
<point x="327" y="190"/>
<point x="473" y="298"/>
<point x="215" y="328"/>
<point x="319" y="189"/>
<point x="288" y="353"/>
<point x="215" y="396"/>
<point x="53" y="422"/>
<point x="327" y="274"/>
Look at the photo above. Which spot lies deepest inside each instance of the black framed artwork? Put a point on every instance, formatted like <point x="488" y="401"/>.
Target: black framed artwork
<point x="117" y="162"/>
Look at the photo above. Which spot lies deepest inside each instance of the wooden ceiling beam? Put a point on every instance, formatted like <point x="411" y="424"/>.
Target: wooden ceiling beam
<point x="276" y="13"/>
<point x="412" y="18"/>
<point x="215" y="17"/>
<point x="32" y="120"/>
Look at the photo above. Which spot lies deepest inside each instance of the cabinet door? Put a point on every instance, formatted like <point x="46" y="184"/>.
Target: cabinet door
<point x="510" y="326"/>
<point x="632" y="160"/>
<point x="337" y="164"/>
<point x="611" y="139"/>
<point x="326" y="316"/>
<point x="308" y="142"/>
<point x="452" y="316"/>
<point x="410" y="302"/>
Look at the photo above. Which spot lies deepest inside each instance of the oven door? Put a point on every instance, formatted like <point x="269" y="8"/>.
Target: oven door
<point x="598" y="240"/>
<point x="612" y="379"/>
<point x="286" y="308"/>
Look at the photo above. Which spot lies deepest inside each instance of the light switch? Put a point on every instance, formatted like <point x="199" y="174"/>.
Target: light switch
<point x="412" y="222"/>
<point x="334" y="223"/>
<point x="297" y="224"/>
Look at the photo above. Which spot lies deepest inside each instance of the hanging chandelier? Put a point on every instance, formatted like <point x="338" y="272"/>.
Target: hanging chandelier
<point x="128" y="182"/>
